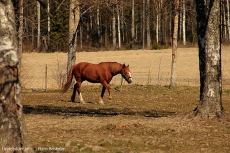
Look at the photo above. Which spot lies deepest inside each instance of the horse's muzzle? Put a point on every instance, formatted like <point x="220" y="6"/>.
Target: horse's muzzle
<point x="129" y="80"/>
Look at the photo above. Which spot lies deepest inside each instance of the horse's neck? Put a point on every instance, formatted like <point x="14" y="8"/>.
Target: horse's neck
<point x="115" y="69"/>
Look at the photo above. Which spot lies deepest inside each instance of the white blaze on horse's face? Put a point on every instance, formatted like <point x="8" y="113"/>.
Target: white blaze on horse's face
<point x="127" y="74"/>
<point x="130" y="80"/>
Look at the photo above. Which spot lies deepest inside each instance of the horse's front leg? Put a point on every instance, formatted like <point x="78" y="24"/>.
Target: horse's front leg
<point x="102" y="95"/>
<point x="105" y="86"/>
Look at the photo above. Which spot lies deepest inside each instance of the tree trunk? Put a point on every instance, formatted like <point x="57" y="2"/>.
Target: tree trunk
<point x="90" y="27"/>
<point x="81" y="37"/>
<point x="20" y="31"/>
<point x="133" y="23"/>
<point x="143" y="24"/>
<point x="74" y="17"/>
<point x="33" y="39"/>
<point x="39" y="26"/>
<point x="157" y="29"/>
<point x="106" y="36"/>
<point x="148" y="25"/>
<point x="48" y="24"/>
<point x="13" y="134"/>
<point x="174" y="46"/>
<point x="183" y="22"/>
<point x="122" y="21"/>
<point x="114" y="29"/>
<point x="98" y="26"/>
<point x="208" y="21"/>
<point x="228" y="20"/>
<point x="118" y="27"/>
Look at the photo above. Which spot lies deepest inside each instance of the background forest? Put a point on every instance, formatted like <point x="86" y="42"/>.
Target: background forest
<point x="110" y="24"/>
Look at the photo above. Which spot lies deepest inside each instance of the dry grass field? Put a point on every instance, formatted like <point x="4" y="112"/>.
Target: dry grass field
<point x="142" y="118"/>
<point x="152" y="67"/>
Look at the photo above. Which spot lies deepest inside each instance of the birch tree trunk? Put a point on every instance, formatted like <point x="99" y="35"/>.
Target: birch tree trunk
<point x="158" y="26"/>
<point x="74" y="17"/>
<point x="174" y="46"/>
<point x="81" y="38"/>
<point x="98" y="26"/>
<point x="48" y="24"/>
<point x="114" y="29"/>
<point x="157" y="29"/>
<point x="143" y="25"/>
<point x="183" y="22"/>
<point x="33" y="38"/>
<point x="133" y="23"/>
<point x="106" y="35"/>
<point x="122" y="19"/>
<point x="118" y="27"/>
<point x="13" y="133"/>
<point x="20" y="31"/>
<point x="208" y="21"/>
<point x="148" y="25"/>
<point x="39" y="26"/>
<point x="228" y="20"/>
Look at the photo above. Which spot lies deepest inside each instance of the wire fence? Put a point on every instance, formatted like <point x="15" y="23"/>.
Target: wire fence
<point x="51" y="80"/>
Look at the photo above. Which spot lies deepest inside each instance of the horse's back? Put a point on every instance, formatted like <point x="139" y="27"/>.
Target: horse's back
<point x="79" y="68"/>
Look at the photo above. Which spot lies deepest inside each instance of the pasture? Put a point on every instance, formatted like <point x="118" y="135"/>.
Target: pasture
<point x="145" y="117"/>
<point x="139" y="119"/>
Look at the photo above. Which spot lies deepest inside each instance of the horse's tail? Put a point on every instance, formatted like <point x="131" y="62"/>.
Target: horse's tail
<point x="66" y="86"/>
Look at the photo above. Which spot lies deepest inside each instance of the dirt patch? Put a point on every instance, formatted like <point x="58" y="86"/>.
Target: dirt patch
<point x="152" y="67"/>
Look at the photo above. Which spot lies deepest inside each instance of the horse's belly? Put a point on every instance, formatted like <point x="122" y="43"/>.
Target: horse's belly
<point x="93" y="80"/>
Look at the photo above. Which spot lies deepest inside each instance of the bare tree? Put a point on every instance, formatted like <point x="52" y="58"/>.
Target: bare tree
<point x="114" y="28"/>
<point x="143" y="24"/>
<point x="39" y="26"/>
<point x="174" y="46"/>
<point x="48" y="23"/>
<point x="148" y="24"/>
<point x="118" y="27"/>
<point x="20" y="31"/>
<point x="74" y="17"/>
<point x="228" y="19"/>
<point x="183" y="21"/>
<point x="133" y="23"/>
<point x="13" y="134"/>
<point x="208" y="21"/>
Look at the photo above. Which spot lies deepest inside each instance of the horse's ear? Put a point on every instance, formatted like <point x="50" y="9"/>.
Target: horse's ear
<point x="123" y="66"/>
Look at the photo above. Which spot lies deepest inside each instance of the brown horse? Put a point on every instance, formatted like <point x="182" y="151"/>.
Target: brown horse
<point x="96" y="73"/>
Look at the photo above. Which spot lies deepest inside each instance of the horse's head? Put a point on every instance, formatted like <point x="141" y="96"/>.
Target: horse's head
<point x="126" y="74"/>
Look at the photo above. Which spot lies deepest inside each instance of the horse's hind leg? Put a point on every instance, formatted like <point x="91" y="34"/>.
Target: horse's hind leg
<point x="77" y="87"/>
<point x="74" y="93"/>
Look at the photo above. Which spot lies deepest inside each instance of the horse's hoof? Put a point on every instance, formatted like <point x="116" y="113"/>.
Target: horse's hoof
<point x="82" y="102"/>
<point x="101" y="102"/>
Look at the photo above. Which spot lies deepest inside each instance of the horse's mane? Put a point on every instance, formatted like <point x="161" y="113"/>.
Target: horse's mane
<point x="108" y="62"/>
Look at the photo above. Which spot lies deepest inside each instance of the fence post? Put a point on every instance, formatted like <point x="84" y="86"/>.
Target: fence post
<point x="45" y="77"/>
<point x="121" y="83"/>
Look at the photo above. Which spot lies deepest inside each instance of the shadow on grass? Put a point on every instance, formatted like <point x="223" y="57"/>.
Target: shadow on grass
<point x="98" y="112"/>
